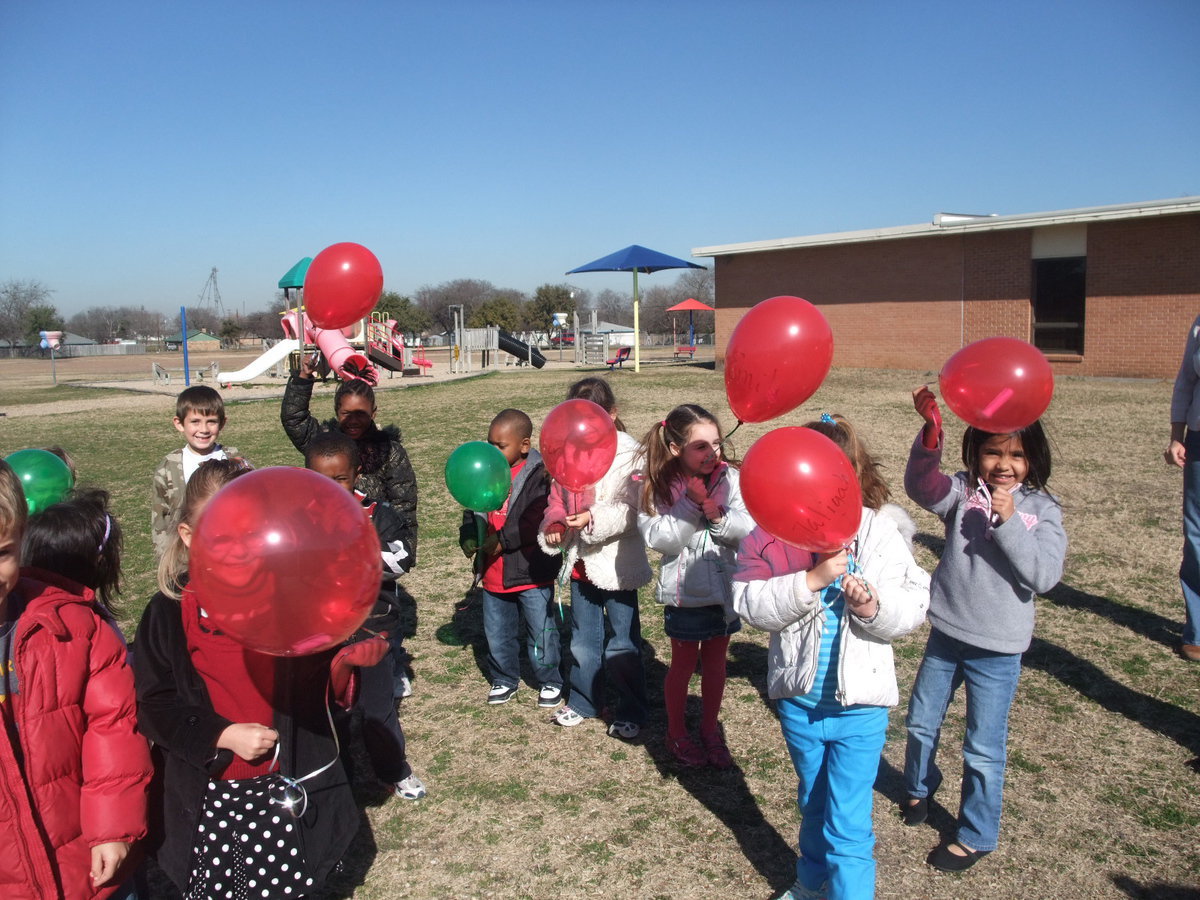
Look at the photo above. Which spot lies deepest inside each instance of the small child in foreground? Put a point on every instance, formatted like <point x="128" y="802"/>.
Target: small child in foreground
<point x="67" y="705"/>
<point x="199" y="417"/>
<point x="832" y="618"/>
<point x="335" y="456"/>
<point x="518" y="577"/>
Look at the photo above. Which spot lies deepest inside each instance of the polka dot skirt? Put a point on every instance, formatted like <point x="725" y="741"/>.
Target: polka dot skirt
<point x="246" y="848"/>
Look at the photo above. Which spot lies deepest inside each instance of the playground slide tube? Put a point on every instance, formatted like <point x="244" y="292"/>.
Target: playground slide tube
<point x="520" y="349"/>
<point x="341" y="357"/>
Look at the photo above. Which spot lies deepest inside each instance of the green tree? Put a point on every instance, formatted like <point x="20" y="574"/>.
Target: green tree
<point x="231" y="330"/>
<point x="548" y="300"/>
<point x="411" y="320"/>
<point x="42" y="317"/>
<point x="500" y="310"/>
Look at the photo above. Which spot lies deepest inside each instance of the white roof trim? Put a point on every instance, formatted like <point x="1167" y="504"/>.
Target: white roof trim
<point x="947" y="223"/>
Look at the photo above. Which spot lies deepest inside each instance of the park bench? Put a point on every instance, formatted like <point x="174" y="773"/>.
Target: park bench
<point x="618" y="360"/>
<point x="688" y="351"/>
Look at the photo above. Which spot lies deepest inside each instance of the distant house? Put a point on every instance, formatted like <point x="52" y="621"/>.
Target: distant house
<point x="618" y="335"/>
<point x="1102" y="290"/>
<point x="69" y="339"/>
<point x="198" y="340"/>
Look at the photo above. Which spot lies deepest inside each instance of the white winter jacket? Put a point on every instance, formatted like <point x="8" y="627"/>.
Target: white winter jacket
<point x="613" y="554"/>
<point x="771" y="593"/>
<point x="698" y="557"/>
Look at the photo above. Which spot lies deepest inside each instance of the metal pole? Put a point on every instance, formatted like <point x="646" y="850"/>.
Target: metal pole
<point x="637" y="333"/>
<point x="187" y="373"/>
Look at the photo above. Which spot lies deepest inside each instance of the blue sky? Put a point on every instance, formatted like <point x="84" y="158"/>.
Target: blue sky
<point x="143" y="143"/>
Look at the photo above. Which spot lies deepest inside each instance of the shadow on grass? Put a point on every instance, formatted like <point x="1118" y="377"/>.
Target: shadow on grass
<point x="465" y="628"/>
<point x="1154" y="890"/>
<point x="1179" y="725"/>
<point x="1149" y="624"/>
<point x="725" y="794"/>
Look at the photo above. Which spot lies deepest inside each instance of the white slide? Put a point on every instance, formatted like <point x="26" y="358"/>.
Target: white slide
<point x="261" y="364"/>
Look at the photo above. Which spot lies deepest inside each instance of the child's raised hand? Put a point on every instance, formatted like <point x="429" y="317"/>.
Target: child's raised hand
<point x="927" y="407"/>
<point x="827" y="570"/>
<point x="309" y="363"/>
<point x="249" y="740"/>
<point x="860" y="597"/>
<point x="106" y="859"/>
<point x="697" y="491"/>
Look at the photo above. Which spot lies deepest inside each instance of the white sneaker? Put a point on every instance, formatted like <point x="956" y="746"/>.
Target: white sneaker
<point x="405" y="687"/>
<point x="799" y="892"/>
<point x="500" y="693"/>
<point x="411" y="788"/>
<point x="550" y="696"/>
<point x="566" y="717"/>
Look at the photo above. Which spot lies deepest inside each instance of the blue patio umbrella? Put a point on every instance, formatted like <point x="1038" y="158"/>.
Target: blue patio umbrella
<point x="635" y="259"/>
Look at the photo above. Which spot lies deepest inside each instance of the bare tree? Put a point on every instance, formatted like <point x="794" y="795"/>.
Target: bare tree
<point x="17" y="300"/>
<point x="469" y="293"/>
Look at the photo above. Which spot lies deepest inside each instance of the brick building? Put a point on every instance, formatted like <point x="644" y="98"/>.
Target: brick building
<point x="1106" y="290"/>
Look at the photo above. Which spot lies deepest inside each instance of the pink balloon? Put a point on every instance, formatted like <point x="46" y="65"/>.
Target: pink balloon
<point x="802" y="489"/>
<point x="342" y="285"/>
<point x="578" y="443"/>
<point x="285" y="561"/>
<point x="999" y="384"/>
<point x="778" y="355"/>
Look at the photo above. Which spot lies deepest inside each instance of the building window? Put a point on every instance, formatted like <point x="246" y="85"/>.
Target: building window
<point x="1058" y="304"/>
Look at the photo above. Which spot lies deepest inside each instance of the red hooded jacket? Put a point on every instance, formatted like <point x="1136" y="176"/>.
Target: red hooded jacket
<point x="86" y="767"/>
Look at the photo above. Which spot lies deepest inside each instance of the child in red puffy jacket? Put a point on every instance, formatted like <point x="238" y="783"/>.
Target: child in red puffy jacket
<point x="67" y="705"/>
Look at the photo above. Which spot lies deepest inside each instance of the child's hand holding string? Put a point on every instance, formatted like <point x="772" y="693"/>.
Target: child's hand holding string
<point x="829" y="567"/>
<point x="697" y="490"/>
<point x="860" y="597"/>
<point x="249" y="740"/>
<point x="1003" y="505"/>
<point x="927" y="407"/>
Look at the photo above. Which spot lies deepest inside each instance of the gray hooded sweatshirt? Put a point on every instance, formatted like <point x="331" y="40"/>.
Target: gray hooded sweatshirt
<point x="983" y="587"/>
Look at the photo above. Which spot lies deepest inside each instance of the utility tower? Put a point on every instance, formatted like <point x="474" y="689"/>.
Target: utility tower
<point x="212" y="294"/>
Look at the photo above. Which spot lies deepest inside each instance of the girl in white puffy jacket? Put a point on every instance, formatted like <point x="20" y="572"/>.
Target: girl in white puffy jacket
<point x="832" y="618"/>
<point x="692" y="513"/>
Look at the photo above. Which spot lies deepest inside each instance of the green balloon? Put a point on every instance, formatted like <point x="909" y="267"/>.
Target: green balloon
<point x="477" y="475"/>
<point x="45" y="478"/>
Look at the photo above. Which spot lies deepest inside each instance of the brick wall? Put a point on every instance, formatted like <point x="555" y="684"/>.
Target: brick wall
<point x="913" y="302"/>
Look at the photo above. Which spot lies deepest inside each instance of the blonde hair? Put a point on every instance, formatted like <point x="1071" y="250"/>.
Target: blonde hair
<point x="661" y="465"/>
<point x="14" y="509"/>
<point x="875" y="491"/>
<point x="208" y="478"/>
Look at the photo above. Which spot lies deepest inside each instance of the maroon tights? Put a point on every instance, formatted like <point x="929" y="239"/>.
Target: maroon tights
<point x="684" y="654"/>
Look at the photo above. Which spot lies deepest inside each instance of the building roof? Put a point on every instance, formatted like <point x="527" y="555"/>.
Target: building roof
<point x="954" y="223"/>
<point x="197" y="334"/>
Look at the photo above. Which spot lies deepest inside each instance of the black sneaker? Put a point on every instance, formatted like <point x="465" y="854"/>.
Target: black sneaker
<point x="550" y="696"/>
<point x="501" y="693"/>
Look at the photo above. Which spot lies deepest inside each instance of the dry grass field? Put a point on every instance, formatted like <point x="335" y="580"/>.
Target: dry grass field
<point x="1103" y="793"/>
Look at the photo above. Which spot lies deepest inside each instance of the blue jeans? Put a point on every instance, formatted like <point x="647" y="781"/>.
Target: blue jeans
<point x="1189" y="570"/>
<point x="991" y="683"/>
<point x="836" y="756"/>
<point x="501" y="622"/>
<point x="620" y="660"/>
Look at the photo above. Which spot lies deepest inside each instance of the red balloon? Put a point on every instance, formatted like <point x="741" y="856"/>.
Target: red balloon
<point x="999" y="384"/>
<point x="285" y="561"/>
<point x="342" y="285"/>
<point x="578" y="443"/>
<point x="801" y="488"/>
<point x="777" y="357"/>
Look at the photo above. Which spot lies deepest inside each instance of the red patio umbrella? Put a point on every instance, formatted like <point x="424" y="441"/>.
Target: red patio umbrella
<point x="691" y="304"/>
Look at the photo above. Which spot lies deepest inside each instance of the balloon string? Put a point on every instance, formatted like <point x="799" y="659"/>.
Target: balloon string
<point x="292" y="792"/>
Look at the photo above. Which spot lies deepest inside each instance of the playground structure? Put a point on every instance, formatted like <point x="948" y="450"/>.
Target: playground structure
<point x="356" y="351"/>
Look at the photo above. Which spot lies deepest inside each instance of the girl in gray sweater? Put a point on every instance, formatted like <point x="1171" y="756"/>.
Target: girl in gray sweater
<point x="1005" y="544"/>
